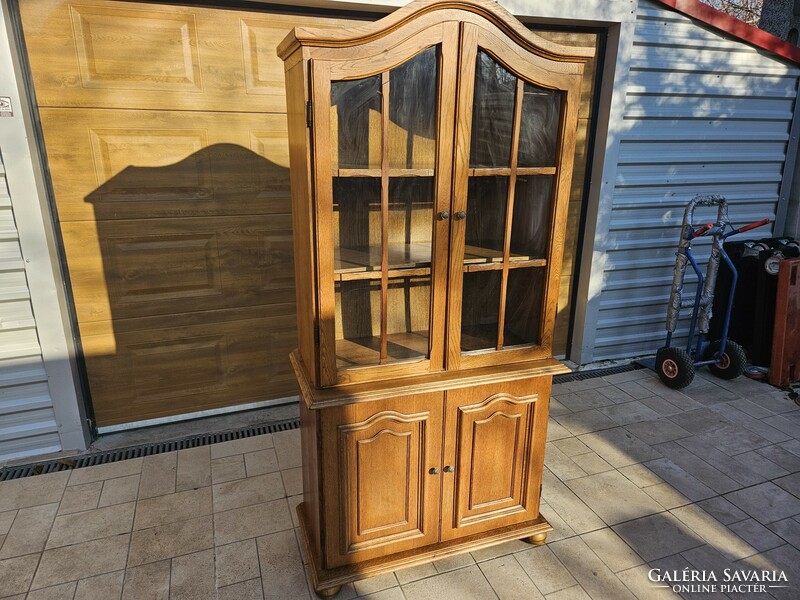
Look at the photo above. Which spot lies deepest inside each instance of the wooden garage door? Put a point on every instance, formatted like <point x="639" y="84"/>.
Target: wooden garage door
<point x="165" y="133"/>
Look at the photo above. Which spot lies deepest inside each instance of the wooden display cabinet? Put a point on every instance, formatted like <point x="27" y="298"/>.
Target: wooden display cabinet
<point x="431" y="159"/>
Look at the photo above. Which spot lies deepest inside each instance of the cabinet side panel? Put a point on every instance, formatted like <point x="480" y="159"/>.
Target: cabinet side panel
<point x="302" y="215"/>
<point x="309" y="432"/>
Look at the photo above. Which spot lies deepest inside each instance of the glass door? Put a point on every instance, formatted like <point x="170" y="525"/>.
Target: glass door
<point x="382" y="212"/>
<point x="512" y="168"/>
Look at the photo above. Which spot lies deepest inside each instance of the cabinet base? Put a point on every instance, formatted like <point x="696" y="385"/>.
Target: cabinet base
<point x="333" y="579"/>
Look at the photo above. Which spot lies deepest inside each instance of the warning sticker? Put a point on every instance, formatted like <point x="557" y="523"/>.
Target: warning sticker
<point x="5" y="107"/>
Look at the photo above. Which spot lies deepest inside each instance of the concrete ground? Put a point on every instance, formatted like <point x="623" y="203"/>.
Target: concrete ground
<point x="640" y="480"/>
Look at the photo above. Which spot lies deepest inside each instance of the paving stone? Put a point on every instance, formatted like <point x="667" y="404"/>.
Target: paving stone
<point x="630" y="412"/>
<point x="464" y="583"/>
<point x="6" y="519"/>
<point x="680" y="480"/>
<point x="585" y="400"/>
<point x="194" y="468"/>
<point x="636" y="579"/>
<point x="246" y="590"/>
<point x="293" y="481"/>
<point x="722" y="510"/>
<point x="121" y="468"/>
<point x="590" y="572"/>
<point x="658" y="536"/>
<point x="227" y="468"/>
<point x="784" y="558"/>
<point x="91" y="525"/>
<point x="16" y="573"/>
<point x="751" y="408"/>
<point x="242" y="446"/>
<point x="560" y="464"/>
<point x="249" y="491"/>
<point x="777" y="402"/>
<point x="281" y="569"/>
<point x="616" y="395"/>
<point x="251" y="521"/>
<point x="765" y="428"/>
<point x="158" y="475"/>
<point x="568" y="506"/>
<point x="556" y="408"/>
<point x="236" y="562"/>
<point x="791" y="483"/>
<point x="394" y="593"/>
<point x="33" y="491"/>
<point x="170" y="508"/>
<point x="728" y="465"/>
<point x="619" y="447"/>
<point x="666" y="495"/>
<point x="698" y="468"/>
<point x="148" y="582"/>
<point x="508" y="579"/>
<point x="375" y="584"/>
<point x="657" y="432"/>
<point x="714" y="532"/>
<point x="641" y="475"/>
<point x="755" y="534"/>
<point x="585" y="422"/>
<point x="556" y="431"/>
<point x="119" y="490"/>
<point x="451" y="563"/>
<point x="261" y="462"/>
<point x="545" y="569"/>
<point x="571" y="446"/>
<point x="634" y="389"/>
<point x="77" y="498"/>
<point x="29" y="531"/>
<point x="662" y="406"/>
<point x="287" y="448"/>
<point x="592" y="463"/>
<point x="766" y="502"/>
<point x="781" y="457"/>
<point x="170" y="540"/>
<point x="788" y="529"/>
<point x="760" y="464"/>
<point x="79" y="561"/>
<point x="613" y="497"/>
<point x="192" y="577"/>
<point x="612" y="550"/>
<point x="499" y="550"/>
<point x="416" y="573"/>
<point x="64" y="591"/>
<point x="101" y="587"/>
<point x="575" y="592"/>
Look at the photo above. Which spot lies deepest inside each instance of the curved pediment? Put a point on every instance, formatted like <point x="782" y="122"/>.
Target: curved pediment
<point x="423" y="12"/>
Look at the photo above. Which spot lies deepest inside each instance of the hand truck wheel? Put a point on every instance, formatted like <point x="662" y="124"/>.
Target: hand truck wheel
<point x="674" y="367"/>
<point x="731" y="364"/>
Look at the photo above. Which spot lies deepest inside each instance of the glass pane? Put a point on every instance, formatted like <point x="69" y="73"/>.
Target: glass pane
<point x="538" y="135"/>
<point x="524" y="298"/>
<point x="356" y="123"/>
<point x="530" y="225"/>
<point x="480" y="310"/>
<point x="358" y="322"/>
<point x="487" y="198"/>
<point x="413" y="88"/>
<point x="356" y="224"/>
<point x="408" y="317"/>
<point x="492" y="113"/>
<point x="410" y="221"/>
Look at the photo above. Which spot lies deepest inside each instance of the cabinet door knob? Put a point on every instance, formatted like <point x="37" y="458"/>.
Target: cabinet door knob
<point x="433" y="471"/>
<point x="461" y="215"/>
<point x="449" y="469"/>
<point x="444" y="215"/>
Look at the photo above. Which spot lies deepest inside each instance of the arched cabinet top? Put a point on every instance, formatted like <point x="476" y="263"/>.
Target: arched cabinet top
<point x="425" y="13"/>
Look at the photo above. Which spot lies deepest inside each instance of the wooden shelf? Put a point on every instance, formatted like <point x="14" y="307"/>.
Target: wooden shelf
<point x="377" y="172"/>
<point x="360" y="352"/>
<point x="506" y="171"/>
<point x="365" y="263"/>
<point x="488" y="259"/>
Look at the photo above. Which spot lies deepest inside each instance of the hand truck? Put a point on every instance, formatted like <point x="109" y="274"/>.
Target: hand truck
<point x="725" y="358"/>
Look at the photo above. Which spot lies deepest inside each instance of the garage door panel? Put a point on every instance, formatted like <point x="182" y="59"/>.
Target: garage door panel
<point x="185" y="368"/>
<point x="157" y="56"/>
<point x="126" y="269"/>
<point x="111" y="164"/>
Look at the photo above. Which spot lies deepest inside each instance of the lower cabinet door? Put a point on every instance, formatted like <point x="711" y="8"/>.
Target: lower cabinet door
<point x="380" y="494"/>
<point x="493" y="456"/>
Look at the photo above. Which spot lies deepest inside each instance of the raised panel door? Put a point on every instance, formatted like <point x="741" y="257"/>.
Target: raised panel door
<point x="494" y="450"/>
<point x="380" y="496"/>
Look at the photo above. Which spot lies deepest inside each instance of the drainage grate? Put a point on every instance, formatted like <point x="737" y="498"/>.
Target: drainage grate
<point x="101" y="458"/>
<point x="581" y="375"/>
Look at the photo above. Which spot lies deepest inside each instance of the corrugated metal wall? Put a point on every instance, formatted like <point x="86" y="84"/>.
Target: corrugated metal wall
<point x="27" y="421"/>
<point x="703" y="115"/>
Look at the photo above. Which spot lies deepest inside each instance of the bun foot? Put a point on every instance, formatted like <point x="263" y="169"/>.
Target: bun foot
<point x="536" y="540"/>
<point x="329" y="593"/>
